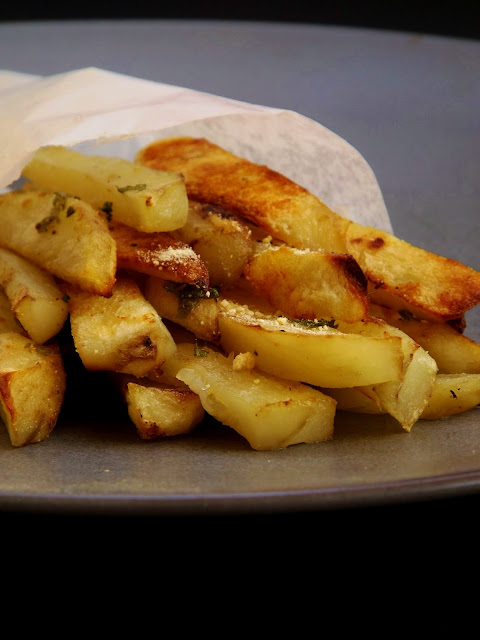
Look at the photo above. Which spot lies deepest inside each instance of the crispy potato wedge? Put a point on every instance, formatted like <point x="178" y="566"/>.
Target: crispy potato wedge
<point x="35" y="298"/>
<point x="270" y="413"/>
<point x="158" y="410"/>
<point x="32" y="388"/>
<point x="313" y="353"/>
<point x="453" y="352"/>
<point x="187" y="306"/>
<point x="435" y="287"/>
<point x="134" y="195"/>
<point x="121" y="333"/>
<point x="309" y="284"/>
<point x="453" y="393"/>
<point x="403" y="276"/>
<point x="158" y="254"/>
<point x="223" y="241"/>
<point x="276" y="204"/>
<point x="62" y="235"/>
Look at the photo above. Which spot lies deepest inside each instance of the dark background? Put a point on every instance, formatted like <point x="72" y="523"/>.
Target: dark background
<point x="459" y="20"/>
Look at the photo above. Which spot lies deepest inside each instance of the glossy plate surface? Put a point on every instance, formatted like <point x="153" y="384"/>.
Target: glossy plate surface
<point x="409" y="104"/>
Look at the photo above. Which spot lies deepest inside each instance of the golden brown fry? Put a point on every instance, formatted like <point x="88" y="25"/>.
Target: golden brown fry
<point x="62" y="235"/>
<point x="35" y="298"/>
<point x="32" y="388"/>
<point x="309" y="284"/>
<point x="158" y="254"/>
<point x="403" y="276"/>
<point x="158" y="410"/>
<point x="223" y="241"/>
<point x="268" y="199"/>
<point x="121" y="333"/>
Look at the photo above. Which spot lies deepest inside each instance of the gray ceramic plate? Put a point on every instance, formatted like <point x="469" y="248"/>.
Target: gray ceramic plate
<point x="410" y="105"/>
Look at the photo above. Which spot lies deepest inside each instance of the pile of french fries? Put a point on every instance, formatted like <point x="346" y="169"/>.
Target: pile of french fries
<point x="201" y="282"/>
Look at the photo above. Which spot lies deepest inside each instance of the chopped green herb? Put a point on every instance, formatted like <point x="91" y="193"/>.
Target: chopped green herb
<point x="314" y="324"/>
<point x="134" y="187"/>
<point x="43" y="225"/>
<point x="405" y="314"/>
<point x="107" y="210"/>
<point x="454" y="395"/>
<point x="189" y="295"/>
<point x="58" y="204"/>
<point x="200" y="353"/>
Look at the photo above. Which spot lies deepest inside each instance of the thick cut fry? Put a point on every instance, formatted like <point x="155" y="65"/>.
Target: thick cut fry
<point x="270" y="413"/>
<point x="134" y="195"/>
<point x="34" y="296"/>
<point x="159" y="255"/>
<point x="427" y="284"/>
<point x="160" y="411"/>
<point x="316" y="354"/>
<point x="452" y="351"/>
<point x="222" y="240"/>
<point x="187" y="306"/>
<point x="309" y="284"/>
<point x="32" y="388"/>
<point x="278" y="205"/>
<point x="403" y="276"/>
<point x="62" y="235"/>
<point x="453" y="393"/>
<point x="122" y="333"/>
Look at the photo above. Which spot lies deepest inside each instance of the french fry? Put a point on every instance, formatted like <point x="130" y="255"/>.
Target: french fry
<point x="270" y="413"/>
<point x="121" y="333"/>
<point x="314" y="353"/>
<point x="137" y="196"/>
<point x="32" y="388"/>
<point x="158" y="410"/>
<point x="159" y="255"/>
<point x="187" y="306"/>
<point x="223" y="241"/>
<point x="309" y="284"/>
<point x="34" y="297"/>
<point x="403" y="276"/>
<point x="62" y="235"/>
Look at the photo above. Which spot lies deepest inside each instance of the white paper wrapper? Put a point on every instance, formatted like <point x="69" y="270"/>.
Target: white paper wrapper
<point x="105" y="113"/>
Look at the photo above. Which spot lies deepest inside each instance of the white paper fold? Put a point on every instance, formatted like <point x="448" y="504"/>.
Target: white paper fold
<point x="106" y="113"/>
